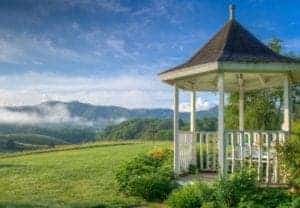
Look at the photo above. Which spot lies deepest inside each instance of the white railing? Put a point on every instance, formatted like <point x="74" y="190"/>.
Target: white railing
<point x="255" y="149"/>
<point x="187" y="153"/>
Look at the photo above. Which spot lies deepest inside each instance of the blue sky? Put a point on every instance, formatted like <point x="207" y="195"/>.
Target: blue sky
<point x="109" y="52"/>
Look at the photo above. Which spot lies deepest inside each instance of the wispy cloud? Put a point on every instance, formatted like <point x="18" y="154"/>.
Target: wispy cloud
<point x="202" y="104"/>
<point x="126" y="91"/>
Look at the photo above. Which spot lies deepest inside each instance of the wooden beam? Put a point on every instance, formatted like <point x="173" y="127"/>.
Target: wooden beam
<point x="262" y="80"/>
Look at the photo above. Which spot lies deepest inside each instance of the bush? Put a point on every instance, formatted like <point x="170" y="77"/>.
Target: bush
<point x="148" y="175"/>
<point x="249" y="204"/>
<point x="239" y="186"/>
<point x="296" y="203"/>
<point x="271" y="197"/>
<point x="289" y="153"/>
<point x="211" y="205"/>
<point x="190" y="196"/>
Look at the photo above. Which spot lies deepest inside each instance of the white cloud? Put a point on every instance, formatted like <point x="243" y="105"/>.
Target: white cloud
<point x="127" y="91"/>
<point x="201" y="104"/>
<point x="56" y="114"/>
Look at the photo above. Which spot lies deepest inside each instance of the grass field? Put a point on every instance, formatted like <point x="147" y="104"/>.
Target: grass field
<point x="74" y="177"/>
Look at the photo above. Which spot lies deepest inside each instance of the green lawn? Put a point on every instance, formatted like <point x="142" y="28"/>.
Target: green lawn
<point x="81" y="177"/>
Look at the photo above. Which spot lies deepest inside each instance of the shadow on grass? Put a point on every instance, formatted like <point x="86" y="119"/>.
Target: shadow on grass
<point x="67" y="148"/>
<point x="101" y="205"/>
<point x="11" y="166"/>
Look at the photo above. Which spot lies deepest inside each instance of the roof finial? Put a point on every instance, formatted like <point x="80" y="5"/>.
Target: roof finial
<point x="231" y="11"/>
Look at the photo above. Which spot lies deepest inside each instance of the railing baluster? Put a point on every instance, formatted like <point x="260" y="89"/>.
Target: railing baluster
<point x="232" y="152"/>
<point x="268" y="158"/>
<point x="250" y="139"/>
<point x="214" y="143"/>
<point x="201" y="155"/>
<point x="207" y="151"/>
<point x="241" y="148"/>
<point x="259" y="140"/>
<point x="256" y="149"/>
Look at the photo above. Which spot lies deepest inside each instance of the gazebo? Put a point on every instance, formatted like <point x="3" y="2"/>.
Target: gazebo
<point x="232" y="61"/>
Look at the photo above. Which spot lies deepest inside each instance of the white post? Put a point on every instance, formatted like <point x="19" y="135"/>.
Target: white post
<point x="241" y="103"/>
<point x="221" y="136"/>
<point x="193" y="112"/>
<point x="286" y="107"/>
<point x="176" y="129"/>
<point x="193" y="127"/>
<point x="241" y="118"/>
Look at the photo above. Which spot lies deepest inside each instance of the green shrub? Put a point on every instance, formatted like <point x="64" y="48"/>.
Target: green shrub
<point x="148" y="175"/>
<point x="190" y="196"/>
<point x="230" y="191"/>
<point x="296" y="202"/>
<point x="249" y="204"/>
<point x="289" y="154"/>
<point x="271" y="197"/>
<point x="210" y="205"/>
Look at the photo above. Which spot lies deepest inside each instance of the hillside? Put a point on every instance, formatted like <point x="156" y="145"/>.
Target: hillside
<point x="21" y="142"/>
<point x="151" y="129"/>
<point x="68" y="178"/>
<point x="85" y="114"/>
<point x="75" y="122"/>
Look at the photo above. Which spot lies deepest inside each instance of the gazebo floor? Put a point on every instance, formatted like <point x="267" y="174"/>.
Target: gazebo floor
<point x="207" y="176"/>
<point x="210" y="177"/>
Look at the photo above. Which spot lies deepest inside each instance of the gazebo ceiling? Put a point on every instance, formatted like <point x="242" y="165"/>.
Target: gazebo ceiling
<point x="233" y="50"/>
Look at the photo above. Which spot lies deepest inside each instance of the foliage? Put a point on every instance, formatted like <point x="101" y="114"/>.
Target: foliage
<point x="249" y="204"/>
<point x="262" y="107"/>
<point x="271" y="197"/>
<point x="238" y="190"/>
<point x="139" y="129"/>
<point x="289" y="154"/>
<point x="154" y="129"/>
<point x="276" y="45"/>
<point x="147" y="175"/>
<point x="190" y="196"/>
<point x="262" y="110"/>
<point x="230" y="191"/>
<point x="296" y="203"/>
<point x="66" y="133"/>
<point x="212" y="204"/>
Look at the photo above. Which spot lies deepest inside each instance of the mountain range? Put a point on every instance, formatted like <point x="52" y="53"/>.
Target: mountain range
<point x="84" y="114"/>
<point x="55" y="123"/>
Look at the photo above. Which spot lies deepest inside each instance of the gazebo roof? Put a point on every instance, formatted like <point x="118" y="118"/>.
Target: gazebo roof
<point x="233" y="49"/>
<point x="234" y="43"/>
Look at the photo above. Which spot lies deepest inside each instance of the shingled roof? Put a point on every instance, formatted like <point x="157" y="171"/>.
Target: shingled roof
<point x="234" y="43"/>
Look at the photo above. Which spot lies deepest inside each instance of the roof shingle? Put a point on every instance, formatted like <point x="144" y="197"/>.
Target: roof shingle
<point x="235" y="44"/>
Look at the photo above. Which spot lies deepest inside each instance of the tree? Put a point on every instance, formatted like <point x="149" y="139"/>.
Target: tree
<point x="262" y="107"/>
<point x="10" y="144"/>
<point x="276" y="45"/>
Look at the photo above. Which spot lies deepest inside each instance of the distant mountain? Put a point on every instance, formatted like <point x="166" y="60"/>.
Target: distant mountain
<point x="56" y="123"/>
<point x="84" y="114"/>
